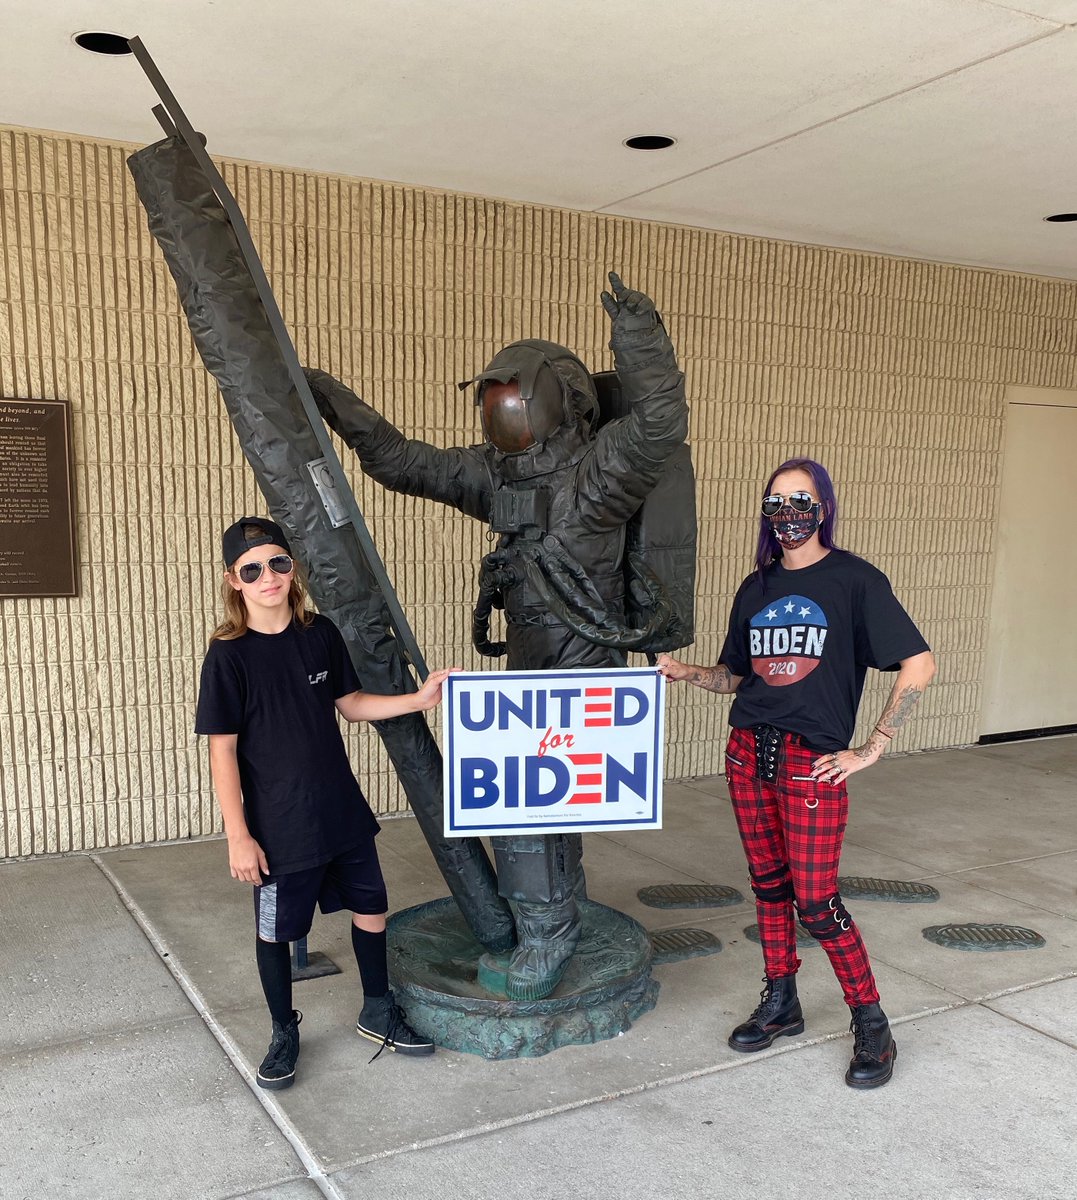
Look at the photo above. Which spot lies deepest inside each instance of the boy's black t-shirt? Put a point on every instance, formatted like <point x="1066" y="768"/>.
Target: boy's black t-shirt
<point x="804" y="645"/>
<point x="301" y="800"/>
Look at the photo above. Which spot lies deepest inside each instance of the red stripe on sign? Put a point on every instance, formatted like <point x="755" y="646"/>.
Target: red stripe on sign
<point x="586" y="798"/>
<point x="585" y="760"/>
<point x="591" y="722"/>
<point x="594" y="780"/>
<point x="596" y="708"/>
<point x="598" y="691"/>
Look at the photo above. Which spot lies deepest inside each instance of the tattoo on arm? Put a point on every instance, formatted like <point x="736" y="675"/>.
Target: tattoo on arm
<point x="876" y="741"/>
<point x="899" y="709"/>
<point x="712" y="679"/>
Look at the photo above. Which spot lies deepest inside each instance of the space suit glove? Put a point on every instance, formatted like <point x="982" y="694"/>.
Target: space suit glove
<point x="342" y="410"/>
<point x="633" y="314"/>
<point x="638" y="335"/>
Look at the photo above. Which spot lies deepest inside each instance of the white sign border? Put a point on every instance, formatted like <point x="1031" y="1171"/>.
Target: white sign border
<point x="641" y="824"/>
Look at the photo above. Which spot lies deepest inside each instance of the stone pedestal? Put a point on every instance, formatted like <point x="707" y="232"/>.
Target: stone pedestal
<point x="434" y="964"/>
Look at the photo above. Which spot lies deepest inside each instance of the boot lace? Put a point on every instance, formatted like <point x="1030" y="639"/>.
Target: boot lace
<point x="865" y="1036"/>
<point x="766" y="1000"/>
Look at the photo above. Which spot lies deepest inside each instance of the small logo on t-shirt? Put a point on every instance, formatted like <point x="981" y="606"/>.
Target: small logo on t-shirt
<point x="321" y="677"/>
<point x="786" y="640"/>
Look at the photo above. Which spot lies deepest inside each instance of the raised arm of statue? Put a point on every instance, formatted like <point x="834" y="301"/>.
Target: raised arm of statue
<point x="456" y="476"/>
<point x="633" y="449"/>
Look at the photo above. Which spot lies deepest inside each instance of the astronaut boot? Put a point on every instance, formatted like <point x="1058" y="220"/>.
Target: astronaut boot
<point x="548" y="934"/>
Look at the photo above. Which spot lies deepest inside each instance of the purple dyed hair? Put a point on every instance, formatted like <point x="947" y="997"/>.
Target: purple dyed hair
<point x="767" y="548"/>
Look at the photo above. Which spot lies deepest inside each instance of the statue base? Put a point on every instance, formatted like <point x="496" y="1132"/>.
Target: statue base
<point x="450" y="988"/>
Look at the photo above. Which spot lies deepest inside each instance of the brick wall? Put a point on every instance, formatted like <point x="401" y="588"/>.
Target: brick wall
<point x="891" y="371"/>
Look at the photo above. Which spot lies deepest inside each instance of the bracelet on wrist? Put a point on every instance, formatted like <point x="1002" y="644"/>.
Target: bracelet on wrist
<point x="889" y="736"/>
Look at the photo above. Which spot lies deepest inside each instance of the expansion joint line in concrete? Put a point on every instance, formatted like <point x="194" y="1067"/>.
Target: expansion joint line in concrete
<point x="1031" y="1028"/>
<point x="276" y="1115"/>
<point x="636" y="1089"/>
<point x="461" y="1135"/>
<point x="1025" y="987"/>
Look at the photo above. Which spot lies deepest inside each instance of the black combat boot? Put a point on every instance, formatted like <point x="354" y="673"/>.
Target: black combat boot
<point x="383" y="1020"/>
<point x="776" y="1015"/>
<point x="278" y="1067"/>
<point x="874" y="1049"/>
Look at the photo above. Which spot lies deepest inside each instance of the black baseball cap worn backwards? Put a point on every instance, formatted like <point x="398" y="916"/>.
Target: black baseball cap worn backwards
<point x="249" y="532"/>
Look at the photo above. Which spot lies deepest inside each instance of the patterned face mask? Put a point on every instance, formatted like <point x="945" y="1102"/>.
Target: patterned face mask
<point x="792" y="529"/>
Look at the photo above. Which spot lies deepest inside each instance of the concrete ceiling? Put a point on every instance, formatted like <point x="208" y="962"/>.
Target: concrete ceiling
<point x="940" y="129"/>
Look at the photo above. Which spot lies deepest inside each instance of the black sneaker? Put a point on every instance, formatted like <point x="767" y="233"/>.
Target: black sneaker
<point x="278" y="1067"/>
<point x="383" y="1021"/>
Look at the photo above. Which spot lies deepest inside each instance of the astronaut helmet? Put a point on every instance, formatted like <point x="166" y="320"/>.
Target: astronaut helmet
<point x="528" y="391"/>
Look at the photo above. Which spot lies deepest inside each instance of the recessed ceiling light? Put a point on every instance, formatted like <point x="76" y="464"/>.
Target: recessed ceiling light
<point x="649" y="141"/>
<point x="102" y="43"/>
<point x="1060" y="217"/>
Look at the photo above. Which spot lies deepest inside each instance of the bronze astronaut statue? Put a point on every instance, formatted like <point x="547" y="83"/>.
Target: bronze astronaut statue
<point x="573" y="569"/>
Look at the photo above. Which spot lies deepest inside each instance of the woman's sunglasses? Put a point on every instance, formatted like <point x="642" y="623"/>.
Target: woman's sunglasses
<point x="801" y="502"/>
<point x="279" y="564"/>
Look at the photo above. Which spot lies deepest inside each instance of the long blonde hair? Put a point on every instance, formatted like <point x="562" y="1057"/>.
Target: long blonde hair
<point x="234" y="624"/>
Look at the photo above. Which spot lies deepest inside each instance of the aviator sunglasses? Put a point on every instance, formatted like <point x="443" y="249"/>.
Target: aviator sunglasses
<point x="279" y="564"/>
<point x="801" y="502"/>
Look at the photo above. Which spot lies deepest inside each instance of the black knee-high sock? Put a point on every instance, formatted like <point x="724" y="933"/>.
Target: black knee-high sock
<point x="370" y="955"/>
<point x="275" y="972"/>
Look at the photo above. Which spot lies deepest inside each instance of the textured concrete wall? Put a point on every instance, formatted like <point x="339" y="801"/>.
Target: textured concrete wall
<point x="891" y="371"/>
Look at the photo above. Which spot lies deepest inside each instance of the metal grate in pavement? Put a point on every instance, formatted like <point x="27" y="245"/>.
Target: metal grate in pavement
<point x="974" y="936"/>
<point x="674" y="945"/>
<point x="900" y="891"/>
<point x="689" y="895"/>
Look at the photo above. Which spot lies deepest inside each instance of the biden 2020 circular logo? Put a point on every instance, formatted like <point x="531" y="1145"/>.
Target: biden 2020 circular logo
<point x="786" y="640"/>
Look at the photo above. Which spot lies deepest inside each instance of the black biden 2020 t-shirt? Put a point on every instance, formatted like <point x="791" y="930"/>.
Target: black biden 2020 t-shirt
<point x="301" y="800"/>
<point x="804" y="645"/>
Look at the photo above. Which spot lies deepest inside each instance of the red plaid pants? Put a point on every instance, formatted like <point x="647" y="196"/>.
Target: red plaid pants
<point x="792" y="830"/>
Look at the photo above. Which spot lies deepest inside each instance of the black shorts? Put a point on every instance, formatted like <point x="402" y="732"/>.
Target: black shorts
<point x="284" y="904"/>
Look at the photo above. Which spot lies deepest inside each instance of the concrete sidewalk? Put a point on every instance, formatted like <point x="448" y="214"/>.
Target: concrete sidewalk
<point x="133" y="1021"/>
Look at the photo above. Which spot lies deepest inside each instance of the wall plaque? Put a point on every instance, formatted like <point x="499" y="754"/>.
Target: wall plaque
<point x="37" y="511"/>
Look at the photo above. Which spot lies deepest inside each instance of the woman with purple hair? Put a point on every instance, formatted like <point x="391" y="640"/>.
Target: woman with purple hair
<point x="805" y="627"/>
